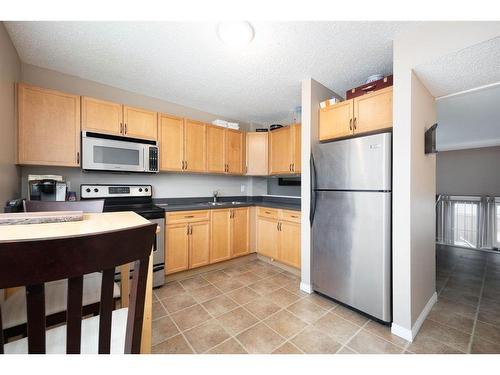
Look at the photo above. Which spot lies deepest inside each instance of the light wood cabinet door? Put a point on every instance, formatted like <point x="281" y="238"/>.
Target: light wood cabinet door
<point x="171" y="142"/>
<point x="257" y="153"/>
<point x="280" y="151"/>
<point x="289" y="243"/>
<point x="199" y="244"/>
<point x="239" y="231"/>
<point x="234" y="151"/>
<point x="373" y="111"/>
<point x="216" y="158"/>
<point x="195" y="146"/>
<point x="297" y="156"/>
<point x="102" y="116"/>
<point x="336" y="121"/>
<point x="48" y="127"/>
<point x="267" y="237"/>
<point x="140" y="123"/>
<point x="176" y="248"/>
<point x="220" y="244"/>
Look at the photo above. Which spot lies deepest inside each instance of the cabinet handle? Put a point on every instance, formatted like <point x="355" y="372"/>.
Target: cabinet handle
<point x="125" y="128"/>
<point x="294" y="216"/>
<point x="350" y="124"/>
<point x="78" y="157"/>
<point x="355" y="123"/>
<point x="186" y="165"/>
<point x="278" y="226"/>
<point x="187" y="230"/>
<point x="190" y="229"/>
<point x="188" y="217"/>
<point x="293" y="167"/>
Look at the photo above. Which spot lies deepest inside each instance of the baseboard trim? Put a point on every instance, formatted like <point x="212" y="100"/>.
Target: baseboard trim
<point x="306" y="287"/>
<point x="408" y="334"/>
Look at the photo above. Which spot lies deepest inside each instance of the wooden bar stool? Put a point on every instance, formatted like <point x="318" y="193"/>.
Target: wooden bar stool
<point x="36" y="262"/>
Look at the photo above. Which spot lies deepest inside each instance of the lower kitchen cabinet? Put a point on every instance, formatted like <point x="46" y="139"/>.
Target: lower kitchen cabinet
<point x="220" y="246"/>
<point x="176" y="248"/>
<point x="289" y="243"/>
<point x="267" y="237"/>
<point x="240" y="231"/>
<point x="199" y="244"/>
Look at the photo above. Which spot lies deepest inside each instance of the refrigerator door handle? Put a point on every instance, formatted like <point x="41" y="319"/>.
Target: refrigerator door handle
<point x="312" y="210"/>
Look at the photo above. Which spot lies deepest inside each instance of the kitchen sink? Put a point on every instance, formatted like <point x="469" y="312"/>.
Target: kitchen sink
<point x="220" y="203"/>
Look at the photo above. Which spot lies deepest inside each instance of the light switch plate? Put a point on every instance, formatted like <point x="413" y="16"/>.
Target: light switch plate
<point x="243" y="187"/>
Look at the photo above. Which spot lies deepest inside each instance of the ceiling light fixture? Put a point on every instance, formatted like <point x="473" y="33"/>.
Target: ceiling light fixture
<point x="236" y="34"/>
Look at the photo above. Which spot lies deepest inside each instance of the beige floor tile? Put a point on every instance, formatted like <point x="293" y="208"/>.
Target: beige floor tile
<point x="169" y="289"/>
<point x="287" y="348"/>
<point x="350" y="315"/>
<point x="264" y="286"/>
<point x="262" y="307"/>
<point x="206" y="336"/>
<point x="219" y="305"/>
<point x="248" y="278"/>
<point x="228" y="285"/>
<point x="178" y="302"/>
<point x="230" y="346"/>
<point x="480" y="346"/>
<point x="174" y="345"/>
<point x="294" y="287"/>
<point x="243" y="295"/>
<point x="451" y="319"/>
<point x="205" y="293"/>
<point x="313" y="341"/>
<point x="423" y="344"/>
<point x="491" y="292"/>
<point x="281" y="278"/>
<point x="190" y="317"/>
<point x="489" y="316"/>
<point x="307" y="311"/>
<point x="459" y="296"/>
<point x="260" y="339"/>
<point x="236" y="271"/>
<point x="282" y="297"/>
<point x="384" y="332"/>
<point x="285" y="323"/>
<point x="346" y="350"/>
<point x="157" y="310"/>
<point x="237" y="320"/>
<point x="194" y="283"/>
<point x="445" y="334"/>
<point x="321" y="301"/>
<point x="215" y="276"/>
<point x="162" y="329"/>
<point x="366" y="343"/>
<point x="336" y="327"/>
<point x="487" y="332"/>
<point x="446" y="305"/>
<point x="490" y="305"/>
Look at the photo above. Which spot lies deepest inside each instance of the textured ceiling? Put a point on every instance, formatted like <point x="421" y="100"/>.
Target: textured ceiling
<point x="469" y="68"/>
<point x="185" y="63"/>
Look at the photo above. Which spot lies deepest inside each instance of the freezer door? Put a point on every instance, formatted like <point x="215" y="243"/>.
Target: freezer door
<point x="362" y="163"/>
<point x="351" y="259"/>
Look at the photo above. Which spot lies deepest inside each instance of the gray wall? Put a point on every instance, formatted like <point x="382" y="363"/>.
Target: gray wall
<point x="164" y="184"/>
<point x="10" y="69"/>
<point x="469" y="172"/>
<point x="274" y="189"/>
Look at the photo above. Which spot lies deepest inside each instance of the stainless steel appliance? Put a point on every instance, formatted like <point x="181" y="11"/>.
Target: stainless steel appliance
<point x="46" y="190"/>
<point x="351" y="222"/>
<point x="137" y="198"/>
<point x="102" y="152"/>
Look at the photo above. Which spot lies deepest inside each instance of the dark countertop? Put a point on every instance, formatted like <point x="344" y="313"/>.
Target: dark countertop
<point x="200" y="203"/>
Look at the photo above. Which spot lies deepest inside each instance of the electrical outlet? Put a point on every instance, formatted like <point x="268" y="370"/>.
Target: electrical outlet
<point x="243" y="187"/>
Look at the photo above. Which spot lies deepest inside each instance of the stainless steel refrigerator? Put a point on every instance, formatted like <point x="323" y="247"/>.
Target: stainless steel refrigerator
<point x="351" y="222"/>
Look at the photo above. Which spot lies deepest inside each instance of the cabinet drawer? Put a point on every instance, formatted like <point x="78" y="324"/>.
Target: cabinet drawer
<point x="293" y="216"/>
<point x="187" y="216"/>
<point x="271" y="213"/>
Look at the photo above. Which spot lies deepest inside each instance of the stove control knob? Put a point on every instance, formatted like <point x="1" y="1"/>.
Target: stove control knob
<point x="96" y="190"/>
<point x="146" y="190"/>
<point x="87" y="190"/>
<point x="140" y="190"/>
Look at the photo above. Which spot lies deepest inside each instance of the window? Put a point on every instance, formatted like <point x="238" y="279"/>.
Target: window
<point x="465" y="223"/>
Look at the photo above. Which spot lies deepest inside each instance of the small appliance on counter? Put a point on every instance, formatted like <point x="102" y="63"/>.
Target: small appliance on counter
<point x="275" y="126"/>
<point x="46" y="188"/>
<point x="14" y="205"/>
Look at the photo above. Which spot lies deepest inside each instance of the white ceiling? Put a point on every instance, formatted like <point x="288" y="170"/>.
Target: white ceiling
<point x="185" y="63"/>
<point x="469" y="68"/>
<point x="469" y="120"/>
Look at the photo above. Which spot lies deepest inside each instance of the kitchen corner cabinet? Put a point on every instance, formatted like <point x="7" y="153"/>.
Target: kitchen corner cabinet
<point x="364" y="114"/>
<point x="256" y="153"/>
<point x="48" y="127"/>
<point x="284" y="150"/>
<point x="278" y="235"/>
<point x="112" y="118"/>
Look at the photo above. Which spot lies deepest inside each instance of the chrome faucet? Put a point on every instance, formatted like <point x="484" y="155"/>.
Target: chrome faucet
<point x="216" y="195"/>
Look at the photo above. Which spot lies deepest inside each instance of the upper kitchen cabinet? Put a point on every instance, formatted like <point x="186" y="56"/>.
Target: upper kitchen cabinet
<point x="364" y="114"/>
<point x="140" y="123"/>
<point x="195" y="146"/>
<point x="257" y="153"/>
<point x="373" y="111"/>
<point x="336" y="120"/>
<point x="216" y="150"/>
<point x="112" y="118"/>
<point x="171" y="141"/>
<point x="234" y="151"/>
<point x="284" y="150"/>
<point x="48" y="127"/>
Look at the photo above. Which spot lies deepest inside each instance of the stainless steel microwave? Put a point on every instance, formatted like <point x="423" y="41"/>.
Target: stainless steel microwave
<point x="103" y="152"/>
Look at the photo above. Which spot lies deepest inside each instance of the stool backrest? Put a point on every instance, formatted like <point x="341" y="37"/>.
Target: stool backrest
<point x="89" y="206"/>
<point x="35" y="262"/>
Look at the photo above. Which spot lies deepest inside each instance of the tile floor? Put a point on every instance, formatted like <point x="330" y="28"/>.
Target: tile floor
<point x="256" y="307"/>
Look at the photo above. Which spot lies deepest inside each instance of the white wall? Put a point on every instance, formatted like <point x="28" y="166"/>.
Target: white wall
<point x="413" y="181"/>
<point x="313" y="93"/>
<point x="469" y="172"/>
<point x="10" y="70"/>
